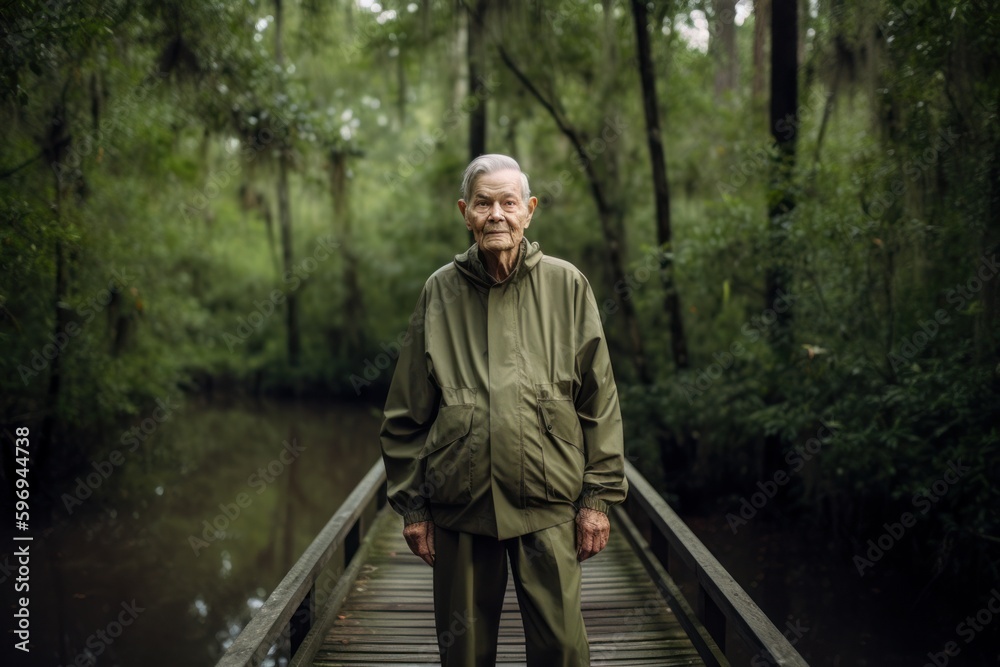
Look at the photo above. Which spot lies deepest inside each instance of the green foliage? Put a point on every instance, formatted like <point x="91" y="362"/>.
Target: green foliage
<point x="142" y="138"/>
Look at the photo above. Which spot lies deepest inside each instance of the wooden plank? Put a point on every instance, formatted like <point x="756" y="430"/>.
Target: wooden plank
<point x="388" y="616"/>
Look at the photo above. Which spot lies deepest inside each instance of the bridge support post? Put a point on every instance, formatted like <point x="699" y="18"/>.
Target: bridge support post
<point x="660" y="547"/>
<point x="712" y="617"/>
<point x="353" y="541"/>
<point x="302" y="620"/>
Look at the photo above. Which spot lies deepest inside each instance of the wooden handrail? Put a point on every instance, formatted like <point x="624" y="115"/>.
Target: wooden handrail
<point x="290" y="609"/>
<point x="721" y="602"/>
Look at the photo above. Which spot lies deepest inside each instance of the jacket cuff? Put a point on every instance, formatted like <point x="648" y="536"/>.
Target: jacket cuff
<point x="416" y="516"/>
<point x="594" y="503"/>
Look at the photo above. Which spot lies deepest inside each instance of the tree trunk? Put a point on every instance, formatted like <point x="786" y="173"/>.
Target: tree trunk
<point x="285" y="223"/>
<point x="991" y="246"/>
<point x="401" y="88"/>
<point x="476" y="52"/>
<point x="609" y="95"/>
<point x="761" y="20"/>
<point x="353" y="302"/>
<point x="56" y="142"/>
<point x="284" y="206"/>
<point x="661" y="186"/>
<point x="722" y="44"/>
<point x="475" y="45"/>
<point x="784" y="126"/>
<point x="458" y="61"/>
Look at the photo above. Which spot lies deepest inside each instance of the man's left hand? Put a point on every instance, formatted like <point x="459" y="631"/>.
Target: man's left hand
<point x="592" y="532"/>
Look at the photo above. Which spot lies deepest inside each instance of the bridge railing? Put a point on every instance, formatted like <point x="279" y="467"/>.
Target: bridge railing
<point x="725" y="625"/>
<point x="290" y="611"/>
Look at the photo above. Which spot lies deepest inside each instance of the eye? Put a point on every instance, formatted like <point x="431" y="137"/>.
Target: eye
<point x="509" y="203"/>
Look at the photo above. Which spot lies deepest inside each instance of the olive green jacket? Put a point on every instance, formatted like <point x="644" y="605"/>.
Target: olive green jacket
<point x="502" y="417"/>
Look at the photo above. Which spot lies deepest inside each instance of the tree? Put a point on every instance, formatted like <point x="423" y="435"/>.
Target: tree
<point x="353" y="306"/>
<point x="761" y="21"/>
<point x="284" y="206"/>
<point x="784" y="125"/>
<point x="661" y="186"/>
<point x="602" y="175"/>
<point x="722" y="46"/>
<point x="476" y="17"/>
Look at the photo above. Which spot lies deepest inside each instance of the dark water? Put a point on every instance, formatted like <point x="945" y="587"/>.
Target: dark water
<point x="137" y="552"/>
<point x="810" y="589"/>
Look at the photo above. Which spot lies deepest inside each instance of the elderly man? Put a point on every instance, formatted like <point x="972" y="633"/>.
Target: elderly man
<point x="502" y="436"/>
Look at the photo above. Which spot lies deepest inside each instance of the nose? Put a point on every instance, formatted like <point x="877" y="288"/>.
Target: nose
<point x="496" y="213"/>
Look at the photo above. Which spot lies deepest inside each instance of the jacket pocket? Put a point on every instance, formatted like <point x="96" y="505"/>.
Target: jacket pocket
<point x="562" y="442"/>
<point x="447" y="456"/>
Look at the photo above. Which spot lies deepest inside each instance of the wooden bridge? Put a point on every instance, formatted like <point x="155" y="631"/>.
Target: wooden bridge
<point x="654" y="596"/>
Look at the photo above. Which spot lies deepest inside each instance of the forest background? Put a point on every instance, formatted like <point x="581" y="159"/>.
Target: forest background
<point x="789" y="212"/>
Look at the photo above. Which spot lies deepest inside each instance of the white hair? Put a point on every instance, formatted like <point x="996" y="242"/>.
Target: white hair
<point x="488" y="164"/>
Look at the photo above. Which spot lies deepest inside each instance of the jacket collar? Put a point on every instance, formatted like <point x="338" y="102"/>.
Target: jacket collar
<point x="470" y="263"/>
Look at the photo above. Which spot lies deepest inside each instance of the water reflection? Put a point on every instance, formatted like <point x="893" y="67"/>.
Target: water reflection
<point x="228" y="636"/>
<point x="150" y="535"/>
<point x="199" y="607"/>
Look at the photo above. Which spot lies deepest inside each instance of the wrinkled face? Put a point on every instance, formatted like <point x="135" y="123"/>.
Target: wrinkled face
<point x="497" y="215"/>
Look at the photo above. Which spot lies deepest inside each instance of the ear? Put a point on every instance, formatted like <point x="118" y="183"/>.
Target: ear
<point x="532" y="203"/>
<point x="461" y="207"/>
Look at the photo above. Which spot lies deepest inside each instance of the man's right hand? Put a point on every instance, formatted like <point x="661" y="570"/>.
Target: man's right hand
<point x="420" y="538"/>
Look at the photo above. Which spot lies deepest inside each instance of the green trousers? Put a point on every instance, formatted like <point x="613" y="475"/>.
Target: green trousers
<point x="470" y="578"/>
